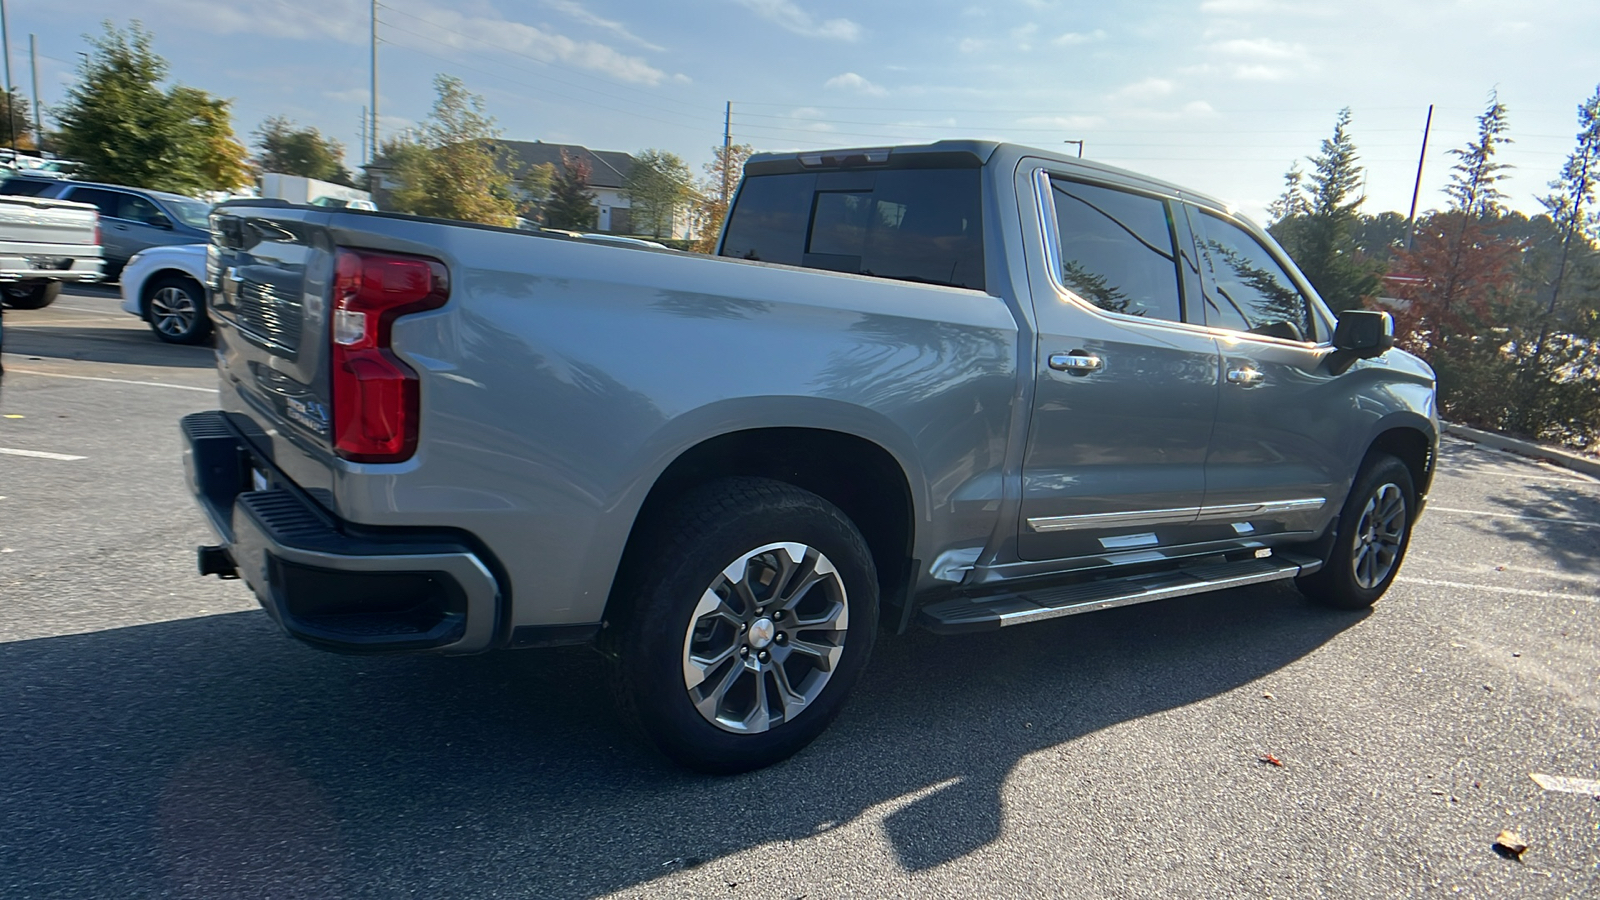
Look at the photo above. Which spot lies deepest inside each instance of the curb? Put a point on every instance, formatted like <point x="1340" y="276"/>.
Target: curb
<point x="1563" y="458"/>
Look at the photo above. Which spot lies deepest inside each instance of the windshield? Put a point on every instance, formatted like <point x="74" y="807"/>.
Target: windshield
<point x="190" y="212"/>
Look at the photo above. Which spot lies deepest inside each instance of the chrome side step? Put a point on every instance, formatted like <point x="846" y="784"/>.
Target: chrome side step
<point x="964" y="614"/>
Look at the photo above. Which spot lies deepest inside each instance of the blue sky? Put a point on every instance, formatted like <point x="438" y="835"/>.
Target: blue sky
<point x="1217" y="95"/>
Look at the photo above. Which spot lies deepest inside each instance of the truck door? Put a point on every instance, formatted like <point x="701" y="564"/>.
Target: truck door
<point x="1126" y="390"/>
<point x="1280" y="456"/>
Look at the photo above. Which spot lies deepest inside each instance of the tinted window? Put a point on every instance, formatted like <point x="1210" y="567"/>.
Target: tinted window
<point x="1250" y="290"/>
<point x="1117" y="250"/>
<point x="922" y="225"/>
<point x="107" y="201"/>
<point x="24" y="187"/>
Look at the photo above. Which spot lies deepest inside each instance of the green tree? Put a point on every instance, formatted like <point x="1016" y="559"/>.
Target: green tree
<point x="534" y="184"/>
<point x="1475" y="174"/>
<point x="1319" y="230"/>
<point x="17" y="108"/>
<point x="1557" y="393"/>
<point x="289" y="150"/>
<point x="658" y="186"/>
<point x="571" y="203"/>
<point x="461" y="175"/>
<point x="124" y="128"/>
<point x="711" y="197"/>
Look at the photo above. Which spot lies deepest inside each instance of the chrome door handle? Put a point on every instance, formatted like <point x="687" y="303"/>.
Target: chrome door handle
<point x="1076" y="362"/>
<point x="1246" y="376"/>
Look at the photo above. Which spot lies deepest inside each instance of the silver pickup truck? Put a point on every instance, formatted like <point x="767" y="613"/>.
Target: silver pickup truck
<point x="960" y="386"/>
<point x="44" y="243"/>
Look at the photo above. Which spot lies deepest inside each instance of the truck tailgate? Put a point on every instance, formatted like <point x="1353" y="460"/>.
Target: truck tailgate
<point x="40" y="221"/>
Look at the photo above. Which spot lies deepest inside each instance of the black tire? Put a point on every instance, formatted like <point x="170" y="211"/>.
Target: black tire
<point x="1348" y="578"/>
<point x="175" y="309"/>
<point x="31" y="294"/>
<point x="654" y="632"/>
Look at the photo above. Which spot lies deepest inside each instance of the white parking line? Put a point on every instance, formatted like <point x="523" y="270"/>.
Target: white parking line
<point x="1566" y="784"/>
<point x="1496" y="589"/>
<point x="1576" y="523"/>
<point x="40" y="454"/>
<point x="176" y="387"/>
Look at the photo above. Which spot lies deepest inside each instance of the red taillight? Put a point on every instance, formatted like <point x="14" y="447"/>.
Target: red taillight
<point x="375" y="399"/>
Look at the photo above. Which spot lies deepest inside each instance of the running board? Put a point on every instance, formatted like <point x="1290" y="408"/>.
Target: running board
<point x="964" y="614"/>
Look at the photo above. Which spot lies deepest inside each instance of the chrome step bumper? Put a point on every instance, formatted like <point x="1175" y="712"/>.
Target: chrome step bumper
<point x="965" y="614"/>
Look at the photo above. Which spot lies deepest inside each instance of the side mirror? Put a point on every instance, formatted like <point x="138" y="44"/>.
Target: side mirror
<point x="160" y="221"/>
<point x="1364" y="333"/>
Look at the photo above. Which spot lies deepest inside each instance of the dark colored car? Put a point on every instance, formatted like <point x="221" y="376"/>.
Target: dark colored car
<point x="131" y="219"/>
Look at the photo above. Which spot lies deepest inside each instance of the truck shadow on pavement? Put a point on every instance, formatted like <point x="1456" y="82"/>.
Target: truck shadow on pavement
<point x="1572" y="547"/>
<point x="213" y="757"/>
<point x="126" y="346"/>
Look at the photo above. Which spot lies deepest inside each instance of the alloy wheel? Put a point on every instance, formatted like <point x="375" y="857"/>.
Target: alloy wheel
<point x="765" y="638"/>
<point x="1380" y="535"/>
<point x="172" y="311"/>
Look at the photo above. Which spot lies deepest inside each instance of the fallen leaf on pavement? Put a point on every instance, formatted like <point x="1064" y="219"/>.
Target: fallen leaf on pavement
<point x="1510" y="844"/>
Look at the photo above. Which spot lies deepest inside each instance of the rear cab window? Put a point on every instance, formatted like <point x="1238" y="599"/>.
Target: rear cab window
<point x="918" y="225"/>
<point x="1117" y="250"/>
<point x="25" y="187"/>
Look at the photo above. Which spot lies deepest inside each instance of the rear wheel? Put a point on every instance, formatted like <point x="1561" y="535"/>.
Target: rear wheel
<point x="1373" y="534"/>
<point x="175" y="307"/>
<point x="31" y="294"/>
<point x="751" y="618"/>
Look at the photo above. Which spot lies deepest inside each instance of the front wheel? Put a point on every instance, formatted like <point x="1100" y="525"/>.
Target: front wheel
<point x="751" y="618"/>
<point x="175" y="307"/>
<point x="31" y="294"/>
<point x="1373" y="534"/>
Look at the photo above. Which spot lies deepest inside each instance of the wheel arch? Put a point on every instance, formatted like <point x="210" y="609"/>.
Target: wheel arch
<point x="865" y="480"/>
<point x="148" y="285"/>
<point x="1411" y="444"/>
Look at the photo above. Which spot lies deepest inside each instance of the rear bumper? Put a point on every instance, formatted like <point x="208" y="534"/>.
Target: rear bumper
<point x="44" y="263"/>
<point x="331" y="583"/>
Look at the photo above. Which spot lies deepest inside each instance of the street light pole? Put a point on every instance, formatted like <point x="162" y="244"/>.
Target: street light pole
<point x="1080" y="147"/>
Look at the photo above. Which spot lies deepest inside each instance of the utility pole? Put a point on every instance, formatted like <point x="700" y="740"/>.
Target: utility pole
<point x="373" y="134"/>
<point x="11" y="128"/>
<point x="1411" y="219"/>
<point x="727" y="150"/>
<point x="38" y="126"/>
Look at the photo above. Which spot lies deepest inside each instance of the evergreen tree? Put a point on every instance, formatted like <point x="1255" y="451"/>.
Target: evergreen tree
<point x="571" y="203"/>
<point x="1472" y="179"/>
<point x="1321" y="238"/>
<point x="15" y="107"/>
<point x="1292" y="202"/>
<point x="125" y="129"/>
<point x="289" y="150"/>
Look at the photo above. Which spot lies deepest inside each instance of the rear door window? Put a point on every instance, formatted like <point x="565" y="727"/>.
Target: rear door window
<point x="1249" y="289"/>
<point x="108" y="202"/>
<point x="1117" y="250"/>
<point x="24" y="187"/>
<point x="921" y="225"/>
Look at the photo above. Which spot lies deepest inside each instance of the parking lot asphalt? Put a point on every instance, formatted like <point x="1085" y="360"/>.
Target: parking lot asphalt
<point x="159" y="737"/>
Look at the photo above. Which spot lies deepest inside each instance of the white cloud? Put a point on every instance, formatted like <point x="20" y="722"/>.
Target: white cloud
<point x="850" y="81"/>
<point x="425" y="30"/>
<point x="1148" y="89"/>
<point x="801" y="22"/>
<point x="1237" y="7"/>
<point x="1065" y="123"/>
<point x="1258" y="59"/>
<point x="1073" y="38"/>
<point x="577" y="11"/>
<point x="972" y="45"/>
